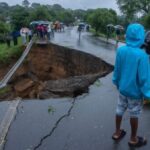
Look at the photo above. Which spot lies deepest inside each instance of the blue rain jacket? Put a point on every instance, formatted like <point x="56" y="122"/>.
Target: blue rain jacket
<point x="132" y="66"/>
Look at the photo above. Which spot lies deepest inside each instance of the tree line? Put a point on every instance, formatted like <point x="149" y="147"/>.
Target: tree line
<point x="17" y="16"/>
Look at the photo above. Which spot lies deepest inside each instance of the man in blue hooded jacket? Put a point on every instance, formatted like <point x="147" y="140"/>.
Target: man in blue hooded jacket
<point x="132" y="79"/>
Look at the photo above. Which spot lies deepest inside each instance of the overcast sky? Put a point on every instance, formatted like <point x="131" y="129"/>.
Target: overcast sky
<point x="73" y="4"/>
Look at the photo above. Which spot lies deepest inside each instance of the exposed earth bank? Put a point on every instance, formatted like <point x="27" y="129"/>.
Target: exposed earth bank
<point x="55" y="71"/>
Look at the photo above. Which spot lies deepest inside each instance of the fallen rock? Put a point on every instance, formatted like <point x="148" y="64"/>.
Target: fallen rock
<point x="72" y="86"/>
<point x="23" y="85"/>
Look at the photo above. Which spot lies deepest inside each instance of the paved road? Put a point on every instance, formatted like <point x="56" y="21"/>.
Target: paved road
<point x="83" y="123"/>
<point x="88" y="43"/>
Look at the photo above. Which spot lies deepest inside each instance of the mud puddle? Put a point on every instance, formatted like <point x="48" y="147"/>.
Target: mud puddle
<point x="54" y="71"/>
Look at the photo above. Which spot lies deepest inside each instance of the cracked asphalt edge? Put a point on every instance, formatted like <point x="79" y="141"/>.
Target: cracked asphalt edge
<point x="55" y="126"/>
<point x="7" y="120"/>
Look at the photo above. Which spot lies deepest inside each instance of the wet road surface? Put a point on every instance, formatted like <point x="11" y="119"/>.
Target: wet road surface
<point x="83" y="123"/>
<point x="87" y="43"/>
<point x="3" y="108"/>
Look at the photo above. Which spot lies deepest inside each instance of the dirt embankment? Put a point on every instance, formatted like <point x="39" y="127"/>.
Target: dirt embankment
<point x="54" y="71"/>
<point x="4" y="68"/>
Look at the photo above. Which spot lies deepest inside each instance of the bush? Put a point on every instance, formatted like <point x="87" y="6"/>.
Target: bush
<point x="8" y="53"/>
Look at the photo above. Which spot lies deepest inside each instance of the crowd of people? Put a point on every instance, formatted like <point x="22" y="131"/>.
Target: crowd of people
<point x="46" y="30"/>
<point x="25" y="33"/>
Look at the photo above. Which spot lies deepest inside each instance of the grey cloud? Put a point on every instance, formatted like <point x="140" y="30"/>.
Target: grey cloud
<point x="73" y="4"/>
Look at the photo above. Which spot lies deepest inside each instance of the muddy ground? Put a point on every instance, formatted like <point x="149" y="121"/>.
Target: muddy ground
<point x="54" y="71"/>
<point x="4" y="68"/>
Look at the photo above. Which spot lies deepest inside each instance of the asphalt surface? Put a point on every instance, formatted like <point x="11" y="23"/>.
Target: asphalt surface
<point x="84" y="123"/>
<point x="87" y="43"/>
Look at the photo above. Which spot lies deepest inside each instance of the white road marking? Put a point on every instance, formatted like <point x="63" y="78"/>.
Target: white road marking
<point x="7" y="120"/>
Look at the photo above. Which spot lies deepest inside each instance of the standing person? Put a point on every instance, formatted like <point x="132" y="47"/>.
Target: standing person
<point x="62" y="27"/>
<point x="8" y="39"/>
<point x="38" y="30"/>
<point x="42" y="31"/>
<point x="118" y="34"/>
<point x="49" y="32"/>
<point x="132" y="79"/>
<point x="30" y="34"/>
<point x="79" y="30"/>
<point x="15" y="37"/>
<point x="52" y="29"/>
<point x="45" y="31"/>
<point x="23" y="36"/>
<point x="146" y="47"/>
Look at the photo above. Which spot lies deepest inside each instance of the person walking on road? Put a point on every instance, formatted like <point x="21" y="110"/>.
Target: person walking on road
<point x="132" y="79"/>
<point x="49" y="32"/>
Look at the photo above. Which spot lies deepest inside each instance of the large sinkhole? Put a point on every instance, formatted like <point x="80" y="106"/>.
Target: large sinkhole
<point x="55" y="71"/>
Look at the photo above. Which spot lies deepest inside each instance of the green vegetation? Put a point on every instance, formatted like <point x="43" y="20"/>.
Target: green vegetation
<point x="4" y="90"/>
<point x="4" y="29"/>
<point x="135" y="11"/>
<point x="99" y="22"/>
<point x="51" y="110"/>
<point x="7" y="53"/>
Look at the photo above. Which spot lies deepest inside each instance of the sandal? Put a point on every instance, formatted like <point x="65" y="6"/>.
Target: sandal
<point x="141" y="142"/>
<point x="122" y="134"/>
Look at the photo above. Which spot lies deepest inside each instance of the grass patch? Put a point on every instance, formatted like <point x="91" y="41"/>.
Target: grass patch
<point x="112" y="36"/>
<point x="4" y="90"/>
<point x="51" y="109"/>
<point x="7" y="53"/>
<point x="97" y="33"/>
<point x="94" y="32"/>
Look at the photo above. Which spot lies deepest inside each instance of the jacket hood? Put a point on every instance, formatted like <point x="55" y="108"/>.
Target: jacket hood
<point x="135" y="35"/>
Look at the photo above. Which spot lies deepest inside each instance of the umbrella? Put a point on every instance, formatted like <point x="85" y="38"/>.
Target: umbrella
<point x="119" y="27"/>
<point x="110" y="25"/>
<point x="34" y="23"/>
<point x="39" y="22"/>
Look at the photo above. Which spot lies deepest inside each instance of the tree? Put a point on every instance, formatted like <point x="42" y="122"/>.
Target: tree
<point x="40" y="13"/>
<point x="87" y="14"/>
<point x="19" y="17"/>
<point x="35" y="5"/>
<point x="128" y="8"/>
<point x="4" y="29"/>
<point x="145" y="20"/>
<point x="132" y="7"/>
<point x="4" y="11"/>
<point x="25" y="3"/>
<point x="79" y="13"/>
<point x="66" y="17"/>
<point x="100" y="18"/>
<point x="143" y="6"/>
<point x="4" y="5"/>
<point x="57" y="7"/>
